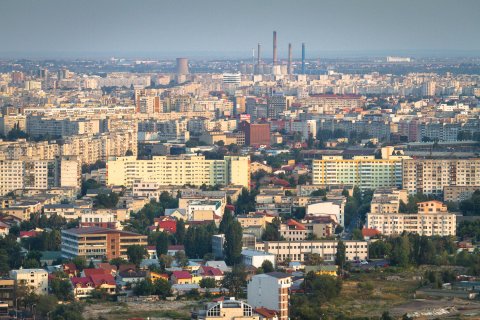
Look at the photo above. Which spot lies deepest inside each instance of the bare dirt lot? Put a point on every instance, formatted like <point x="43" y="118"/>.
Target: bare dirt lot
<point x="155" y="310"/>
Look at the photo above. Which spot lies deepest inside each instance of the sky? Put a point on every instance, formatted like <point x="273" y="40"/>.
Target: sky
<point x="232" y="28"/>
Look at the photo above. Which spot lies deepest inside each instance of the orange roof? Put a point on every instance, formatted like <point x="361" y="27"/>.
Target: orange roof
<point x="296" y="224"/>
<point x="368" y="232"/>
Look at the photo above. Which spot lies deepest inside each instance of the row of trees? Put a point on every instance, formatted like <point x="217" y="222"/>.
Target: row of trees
<point x="414" y="250"/>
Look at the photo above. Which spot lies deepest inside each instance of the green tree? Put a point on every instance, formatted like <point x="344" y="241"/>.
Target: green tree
<point x="162" y="243"/>
<point x="80" y="263"/>
<point x="401" y="251"/>
<point x="235" y="281"/>
<point x="136" y="253"/>
<point x="207" y="283"/>
<point x="267" y="266"/>
<point x="165" y="261"/>
<point x="226" y="221"/>
<point x="61" y="288"/>
<point x="340" y="257"/>
<point x="181" y="258"/>
<point x="233" y="243"/>
<point x="180" y="232"/>
<point x="45" y="304"/>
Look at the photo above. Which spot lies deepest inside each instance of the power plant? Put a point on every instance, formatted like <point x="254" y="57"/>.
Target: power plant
<point x="182" y="66"/>
<point x="303" y="58"/>
<point x="277" y="67"/>
<point x="274" y="48"/>
<point x="289" y="65"/>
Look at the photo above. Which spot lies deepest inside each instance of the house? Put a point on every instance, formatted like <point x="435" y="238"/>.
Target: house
<point x="181" y="277"/>
<point x="369" y="233"/>
<point x="70" y="269"/>
<point x="152" y="253"/>
<point x="107" y="266"/>
<point x="153" y="276"/>
<point x="329" y="270"/>
<point x="219" y="265"/>
<point x="165" y="224"/>
<point x="266" y="314"/>
<point x="172" y="249"/>
<point x="84" y="286"/>
<point x="210" y="272"/>
<point x="88" y="272"/>
<point x="179" y="214"/>
<point x="4" y="229"/>
<point x="130" y="276"/>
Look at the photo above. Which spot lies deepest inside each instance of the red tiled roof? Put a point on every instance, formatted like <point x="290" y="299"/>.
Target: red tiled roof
<point x="99" y="279"/>
<point x="107" y="266"/>
<point x="267" y="313"/>
<point x="90" y="272"/>
<point x="28" y="234"/>
<point x="296" y="224"/>
<point x="181" y="275"/>
<point x="211" y="271"/>
<point x="82" y="281"/>
<point x="368" y="232"/>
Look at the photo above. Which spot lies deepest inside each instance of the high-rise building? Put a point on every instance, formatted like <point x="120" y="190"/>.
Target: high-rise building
<point x="256" y="134"/>
<point x="430" y="176"/>
<point x="179" y="170"/>
<point x="366" y="172"/>
<point x="232" y="78"/>
<point x="277" y="104"/>
<point x="432" y="218"/>
<point x="270" y="290"/>
<point x="274" y="48"/>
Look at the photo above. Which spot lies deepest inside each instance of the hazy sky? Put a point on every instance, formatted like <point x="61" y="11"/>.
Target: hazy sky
<point x="233" y="27"/>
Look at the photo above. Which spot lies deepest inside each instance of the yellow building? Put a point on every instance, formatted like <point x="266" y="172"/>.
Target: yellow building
<point x="179" y="170"/>
<point x="366" y="172"/>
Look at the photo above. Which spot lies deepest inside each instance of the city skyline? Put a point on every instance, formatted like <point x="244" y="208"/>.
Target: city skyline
<point x="56" y="29"/>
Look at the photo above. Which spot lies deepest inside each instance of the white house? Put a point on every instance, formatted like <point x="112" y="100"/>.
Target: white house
<point x="256" y="258"/>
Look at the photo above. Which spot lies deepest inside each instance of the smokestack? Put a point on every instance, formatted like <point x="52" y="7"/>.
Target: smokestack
<point x="303" y="58"/>
<point x="258" y="54"/>
<point x="289" y="67"/>
<point x="274" y="47"/>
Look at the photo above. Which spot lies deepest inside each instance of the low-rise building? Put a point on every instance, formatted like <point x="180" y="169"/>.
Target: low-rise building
<point x="35" y="280"/>
<point x="96" y="243"/>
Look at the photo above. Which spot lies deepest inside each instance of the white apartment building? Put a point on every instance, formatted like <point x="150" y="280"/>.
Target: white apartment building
<point x="334" y="209"/>
<point x="256" y="258"/>
<point x="35" y="280"/>
<point x="327" y="249"/>
<point x="179" y="170"/>
<point x="270" y="290"/>
<point x="432" y="219"/>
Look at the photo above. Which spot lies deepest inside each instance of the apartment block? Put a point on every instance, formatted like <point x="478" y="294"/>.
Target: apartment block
<point x="432" y="219"/>
<point x="181" y="170"/>
<point x="35" y="280"/>
<point x="458" y="193"/>
<point x="270" y="290"/>
<point x="98" y="243"/>
<point x="327" y="249"/>
<point x="431" y="176"/>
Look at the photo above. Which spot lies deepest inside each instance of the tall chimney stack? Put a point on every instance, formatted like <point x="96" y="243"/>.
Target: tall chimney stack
<point x="258" y="54"/>
<point x="303" y="58"/>
<point x="289" y="67"/>
<point x="274" y="47"/>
